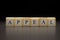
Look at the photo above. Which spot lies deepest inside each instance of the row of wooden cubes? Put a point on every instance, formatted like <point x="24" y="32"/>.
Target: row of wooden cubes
<point x="30" y="21"/>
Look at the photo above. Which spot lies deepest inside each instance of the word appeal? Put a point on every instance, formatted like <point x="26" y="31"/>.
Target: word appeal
<point x="30" y="21"/>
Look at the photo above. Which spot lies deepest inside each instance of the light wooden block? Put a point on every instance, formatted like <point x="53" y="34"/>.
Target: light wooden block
<point x="18" y="21"/>
<point x="30" y="21"/>
<point x="51" y="21"/>
<point x="26" y="21"/>
<point x="43" y="21"/>
<point x="10" y="21"/>
<point x="34" y="21"/>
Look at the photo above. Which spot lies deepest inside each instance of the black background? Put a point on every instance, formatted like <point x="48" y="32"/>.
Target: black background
<point x="29" y="8"/>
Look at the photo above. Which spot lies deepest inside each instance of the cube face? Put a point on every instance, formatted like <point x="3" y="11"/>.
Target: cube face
<point x="43" y="21"/>
<point x="10" y="21"/>
<point x="34" y="21"/>
<point x="51" y="21"/>
<point x="18" y="21"/>
<point x="26" y="21"/>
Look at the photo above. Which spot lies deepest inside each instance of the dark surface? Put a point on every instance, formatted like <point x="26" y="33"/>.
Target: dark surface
<point x="29" y="33"/>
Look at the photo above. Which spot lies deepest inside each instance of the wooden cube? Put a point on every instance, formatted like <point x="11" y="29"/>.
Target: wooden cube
<point x="18" y="21"/>
<point x="43" y="21"/>
<point x="10" y="21"/>
<point x="34" y="21"/>
<point x="26" y="21"/>
<point x="51" y="21"/>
